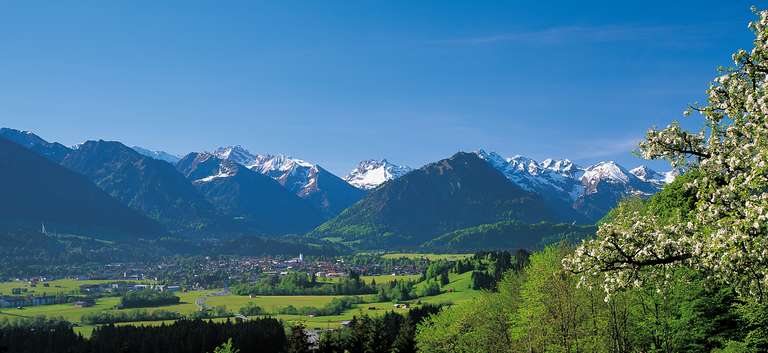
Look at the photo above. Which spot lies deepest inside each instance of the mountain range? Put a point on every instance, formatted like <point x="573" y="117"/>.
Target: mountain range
<point x="590" y="191"/>
<point x="233" y="191"/>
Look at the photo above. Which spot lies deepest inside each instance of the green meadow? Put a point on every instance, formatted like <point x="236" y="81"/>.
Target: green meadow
<point x="457" y="291"/>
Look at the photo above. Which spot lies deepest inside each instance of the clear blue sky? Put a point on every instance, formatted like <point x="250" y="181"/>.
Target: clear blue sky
<point x="336" y="82"/>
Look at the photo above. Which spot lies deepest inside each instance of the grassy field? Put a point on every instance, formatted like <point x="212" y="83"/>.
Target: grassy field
<point x="458" y="291"/>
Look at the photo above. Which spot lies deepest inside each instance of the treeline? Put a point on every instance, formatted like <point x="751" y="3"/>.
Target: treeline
<point x="488" y="268"/>
<point x="183" y="336"/>
<point x="147" y="298"/>
<point x="300" y="283"/>
<point x="257" y="335"/>
<point x="335" y="307"/>
<point x="390" y="332"/>
<point x="39" y="334"/>
<point x="111" y="317"/>
<point x="375" y="263"/>
<point x="397" y="291"/>
<point x="218" y="311"/>
<point x="251" y="309"/>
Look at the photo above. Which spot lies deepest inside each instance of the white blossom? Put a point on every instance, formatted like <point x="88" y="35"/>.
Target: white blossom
<point x="727" y="238"/>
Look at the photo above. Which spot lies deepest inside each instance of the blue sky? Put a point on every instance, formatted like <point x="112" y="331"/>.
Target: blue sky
<point x="336" y="82"/>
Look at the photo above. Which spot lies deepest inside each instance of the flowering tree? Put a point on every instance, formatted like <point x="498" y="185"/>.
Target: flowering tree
<point x="726" y="236"/>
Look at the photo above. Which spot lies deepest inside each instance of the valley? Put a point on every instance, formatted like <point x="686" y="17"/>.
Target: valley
<point x="457" y="290"/>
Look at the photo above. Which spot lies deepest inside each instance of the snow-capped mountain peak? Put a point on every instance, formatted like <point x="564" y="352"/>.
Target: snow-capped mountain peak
<point x="562" y="166"/>
<point x="237" y="154"/>
<point x="607" y="170"/>
<point x="644" y="173"/>
<point x="649" y="175"/>
<point x="371" y="173"/>
<point x="270" y="164"/>
<point x="526" y="164"/>
<point x="493" y="158"/>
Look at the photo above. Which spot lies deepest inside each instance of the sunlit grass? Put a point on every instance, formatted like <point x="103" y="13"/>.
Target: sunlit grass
<point x="458" y="291"/>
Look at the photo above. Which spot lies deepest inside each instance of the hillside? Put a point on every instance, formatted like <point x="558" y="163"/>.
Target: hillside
<point x="145" y="184"/>
<point x="255" y="200"/>
<point x="38" y="191"/>
<point x="507" y="235"/>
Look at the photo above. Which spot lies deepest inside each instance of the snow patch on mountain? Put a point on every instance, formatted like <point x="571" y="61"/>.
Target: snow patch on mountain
<point x="237" y="154"/>
<point x="294" y="174"/>
<point x="371" y="173"/>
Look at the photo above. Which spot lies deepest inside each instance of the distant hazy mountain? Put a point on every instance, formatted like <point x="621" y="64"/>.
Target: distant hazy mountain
<point x="148" y="185"/>
<point x="256" y="200"/>
<point x="37" y="191"/>
<point x="51" y="150"/>
<point x="163" y="156"/>
<point x="327" y="192"/>
<point x="454" y="193"/>
<point x="371" y="173"/>
<point x="591" y="191"/>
